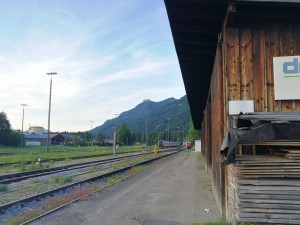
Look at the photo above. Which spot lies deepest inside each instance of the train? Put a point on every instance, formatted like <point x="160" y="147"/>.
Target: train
<point x="168" y="144"/>
<point x="187" y="144"/>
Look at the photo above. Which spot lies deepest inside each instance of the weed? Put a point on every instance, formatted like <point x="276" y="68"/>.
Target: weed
<point x="201" y="165"/>
<point x="139" y="168"/>
<point x="200" y="157"/>
<point x="66" y="180"/>
<point x="61" y="179"/>
<point x="22" y="166"/>
<point x="52" y="203"/>
<point x="23" y="217"/>
<point x="113" y="179"/>
<point x="54" y="179"/>
<point x="221" y="222"/>
<point x="207" y="183"/>
<point x="136" y="169"/>
<point x="49" y="164"/>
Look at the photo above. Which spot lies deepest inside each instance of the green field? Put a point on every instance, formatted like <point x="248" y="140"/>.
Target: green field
<point x="18" y="155"/>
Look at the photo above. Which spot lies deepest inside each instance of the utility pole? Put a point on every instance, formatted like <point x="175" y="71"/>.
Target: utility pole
<point x="48" y="136"/>
<point x="114" y="148"/>
<point x="168" y="119"/>
<point x="91" y="131"/>
<point x="22" y="125"/>
<point x="146" y="127"/>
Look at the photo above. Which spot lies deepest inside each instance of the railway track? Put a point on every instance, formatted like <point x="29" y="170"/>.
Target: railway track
<point x="65" y="188"/>
<point x="56" y="159"/>
<point x="14" y="177"/>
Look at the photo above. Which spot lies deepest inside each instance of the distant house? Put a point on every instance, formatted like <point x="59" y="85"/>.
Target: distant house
<point x="41" y="139"/>
<point x="68" y="137"/>
<point x="35" y="139"/>
<point x="57" y="139"/>
<point x="108" y="142"/>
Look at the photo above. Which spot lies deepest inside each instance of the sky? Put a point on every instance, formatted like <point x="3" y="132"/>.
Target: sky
<point x="108" y="56"/>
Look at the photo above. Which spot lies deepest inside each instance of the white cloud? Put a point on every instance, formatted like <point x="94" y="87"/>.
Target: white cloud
<point x="107" y="60"/>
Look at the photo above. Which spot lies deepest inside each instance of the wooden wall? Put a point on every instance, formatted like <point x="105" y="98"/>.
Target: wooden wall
<point x="248" y="56"/>
<point x="243" y="70"/>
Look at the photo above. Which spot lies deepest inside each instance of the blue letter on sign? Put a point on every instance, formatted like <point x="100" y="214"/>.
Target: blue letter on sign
<point x="291" y="67"/>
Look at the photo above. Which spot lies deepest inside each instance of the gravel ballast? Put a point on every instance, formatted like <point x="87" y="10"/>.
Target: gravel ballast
<point x="175" y="191"/>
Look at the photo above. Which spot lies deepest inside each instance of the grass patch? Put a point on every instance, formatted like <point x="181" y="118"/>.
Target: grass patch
<point x="140" y="168"/>
<point x="21" y="218"/>
<point x="113" y="179"/>
<point x="221" y="222"/>
<point x="50" y="204"/>
<point x="61" y="179"/>
<point x="49" y="164"/>
<point x="207" y="184"/>
<point x="201" y="165"/>
<point x="32" y="153"/>
<point x="3" y="188"/>
<point x="136" y="169"/>
<point x="20" y="166"/>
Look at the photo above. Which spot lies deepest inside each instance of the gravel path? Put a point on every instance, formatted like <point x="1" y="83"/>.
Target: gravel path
<point x="175" y="191"/>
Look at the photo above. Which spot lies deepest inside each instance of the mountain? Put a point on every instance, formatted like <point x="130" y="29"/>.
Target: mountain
<point x="171" y="112"/>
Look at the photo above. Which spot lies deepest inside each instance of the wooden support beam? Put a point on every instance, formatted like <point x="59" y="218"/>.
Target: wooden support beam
<point x="230" y="15"/>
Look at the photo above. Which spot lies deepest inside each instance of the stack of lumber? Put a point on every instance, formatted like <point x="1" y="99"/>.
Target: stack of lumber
<point x="287" y="153"/>
<point x="272" y="116"/>
<point x="264" y="189"/>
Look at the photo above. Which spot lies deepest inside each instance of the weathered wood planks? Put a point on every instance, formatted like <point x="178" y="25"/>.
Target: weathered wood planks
<point x="266" y="189"/>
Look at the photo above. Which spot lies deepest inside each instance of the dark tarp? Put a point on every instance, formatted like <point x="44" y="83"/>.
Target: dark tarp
<point x="260" y="131"/>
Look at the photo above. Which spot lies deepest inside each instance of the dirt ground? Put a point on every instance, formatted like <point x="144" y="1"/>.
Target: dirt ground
<point x="176" y="191"/>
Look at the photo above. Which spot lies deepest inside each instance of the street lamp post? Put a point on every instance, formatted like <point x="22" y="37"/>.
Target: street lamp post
<point x="168" y="119"/>
<point x="48" y="136"/>
<point x="91" y="131"/>
<point x="146" y="127"/>
<point x="114" y="148"/>
<point x="157" y="131"/>
<point x="23" y="105"/>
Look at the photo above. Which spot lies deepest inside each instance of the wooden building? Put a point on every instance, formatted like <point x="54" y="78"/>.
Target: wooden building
<point x="227" y="51"/>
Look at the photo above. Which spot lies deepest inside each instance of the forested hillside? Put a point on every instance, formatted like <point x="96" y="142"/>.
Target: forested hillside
<point x="170" y="113"/>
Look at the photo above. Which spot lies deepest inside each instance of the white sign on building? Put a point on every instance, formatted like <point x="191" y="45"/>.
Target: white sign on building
<point x="286" y="77"/>
<point x="244" y="106"/>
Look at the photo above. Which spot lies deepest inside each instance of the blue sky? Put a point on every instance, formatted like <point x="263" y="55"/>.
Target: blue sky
<point x="109" y="56"/>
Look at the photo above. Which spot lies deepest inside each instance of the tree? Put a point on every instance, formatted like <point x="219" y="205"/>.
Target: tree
<point x="124" y="135"/>
<point x="193" y="134"/>
<point x="76" y="140"/>
<point x="14" y="139"/>
<point x="5" y="129"/>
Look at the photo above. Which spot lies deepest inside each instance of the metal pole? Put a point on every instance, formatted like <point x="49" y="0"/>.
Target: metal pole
<point x="146" y="127"/>
<point x="48" y="136"/>
<point x="157" y="132"/>
<point x="22" y="125"/>
<point x="168" y="130"/>
<point x="91" y="131"/>
<point x="114" y="148"/>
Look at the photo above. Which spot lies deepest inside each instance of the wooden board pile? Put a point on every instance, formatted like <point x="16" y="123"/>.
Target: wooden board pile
<point x="287" y="153"/>
<point x="264" y="189"/>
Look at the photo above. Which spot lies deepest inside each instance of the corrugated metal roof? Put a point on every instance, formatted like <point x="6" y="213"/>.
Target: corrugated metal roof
<point x="195" y="26"/>
<point x="35" y="136"/>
